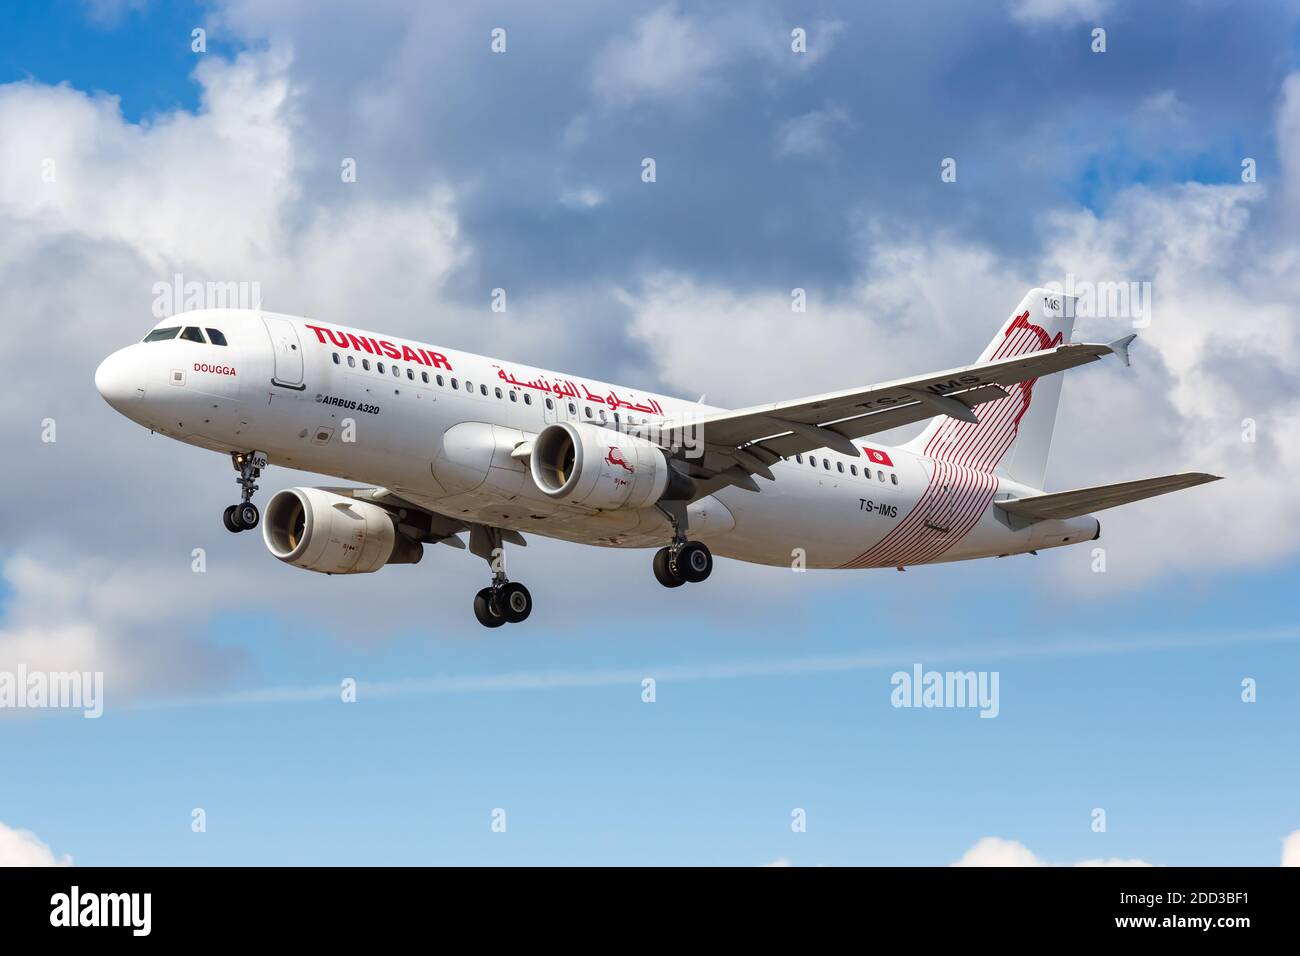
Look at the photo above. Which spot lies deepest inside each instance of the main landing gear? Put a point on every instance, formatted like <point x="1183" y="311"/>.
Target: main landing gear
<point x="687" y="561"/>
<point x="683" y="560"/>
<point x="245" y="516"/>
<point x="504" y="601"/>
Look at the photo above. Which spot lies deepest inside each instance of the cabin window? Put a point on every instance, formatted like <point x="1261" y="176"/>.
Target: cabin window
<point x="573" y="410"/>
<point x="812" y="461"/>
<point x="424" y="377"/>
<point x="397" y="372"/>
<point x="159" y="335"/>
<point x="894" y="478"/>
<point x="215" y="337"/>
<point x="528" y="399"/>
<point x="799" y="459"/>
<point x="482" y="390"/>
<point x="826" y="463"/>
<point x="352" y="361"/>
<point x="365" y="364"/>
<point x="880" y="475"/>
<point x="191" y="334"/>
<point x="380" y="367"/>
<point x="550" y="405"/>
<point x="853" y="470"/>
<point x="839" y="466"/>
<point x="410" y="375"/>
<point x="602" y="414"/>
<point x="469" y="386"/>
<point x="498" y="393"/>
<point x="336" y="359"/>
<point x="514" y="397"/>
<point x="438" y="379"/>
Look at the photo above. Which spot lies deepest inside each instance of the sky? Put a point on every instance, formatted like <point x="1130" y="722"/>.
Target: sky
<point x="1148" y="693"/>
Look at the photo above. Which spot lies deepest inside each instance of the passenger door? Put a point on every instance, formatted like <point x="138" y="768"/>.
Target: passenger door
<point x="287" y="351"/>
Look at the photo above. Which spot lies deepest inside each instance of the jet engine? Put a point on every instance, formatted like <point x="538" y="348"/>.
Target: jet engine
<point x="602" y="468"/>
<point x="331" y="533"/>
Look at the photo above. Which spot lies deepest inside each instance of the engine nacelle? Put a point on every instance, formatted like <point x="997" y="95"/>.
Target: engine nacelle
<point x="601" y="468"/>
<point x="322" y="531"/>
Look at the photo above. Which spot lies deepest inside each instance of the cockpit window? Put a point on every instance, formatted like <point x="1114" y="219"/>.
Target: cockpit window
<point x="191" y="334"/>
<point x="158" y="335"/>
<point x="216" y="337"/>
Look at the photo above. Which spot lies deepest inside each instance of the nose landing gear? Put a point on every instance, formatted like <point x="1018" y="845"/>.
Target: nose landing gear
<point x="245" y="516"/>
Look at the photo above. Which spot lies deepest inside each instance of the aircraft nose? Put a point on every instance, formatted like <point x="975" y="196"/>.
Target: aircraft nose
<point x="116" y="381"/>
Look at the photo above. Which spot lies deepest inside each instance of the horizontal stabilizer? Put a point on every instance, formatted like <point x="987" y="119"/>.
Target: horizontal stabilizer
<point x="1082" y="501"/>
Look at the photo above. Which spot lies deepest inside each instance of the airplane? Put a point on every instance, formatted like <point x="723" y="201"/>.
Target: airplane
<point x="447" y="443"/>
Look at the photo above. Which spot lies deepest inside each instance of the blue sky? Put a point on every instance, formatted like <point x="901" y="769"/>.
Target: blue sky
<point x="1119" y="690"/>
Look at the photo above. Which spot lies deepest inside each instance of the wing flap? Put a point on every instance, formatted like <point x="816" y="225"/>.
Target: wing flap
<point x="1082" y="501"/>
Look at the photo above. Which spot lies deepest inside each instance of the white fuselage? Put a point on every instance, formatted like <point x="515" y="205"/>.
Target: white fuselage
<point x="301" y="392"/>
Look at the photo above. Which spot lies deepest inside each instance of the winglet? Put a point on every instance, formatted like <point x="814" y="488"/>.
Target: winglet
<point x="1120" y="347"/>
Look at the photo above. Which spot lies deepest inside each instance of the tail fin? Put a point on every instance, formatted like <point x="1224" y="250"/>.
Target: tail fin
<point x="1013" y="434"/>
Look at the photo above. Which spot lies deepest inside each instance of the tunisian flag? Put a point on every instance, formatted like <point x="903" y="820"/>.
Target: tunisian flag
<point x="877" y="457"/>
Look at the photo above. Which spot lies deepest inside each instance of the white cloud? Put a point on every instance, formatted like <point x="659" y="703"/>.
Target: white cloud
<point x="916" y="301"/>
<point x="995" y="851"/>
<point x="24" y="848"/>
<point x="1291" y="849"/>
<point x="584" y="197"/>
<point x="778" y="862"/>
<point x="667" y="55"/>
<point x="229" y="167"/>
<point x="1114" y="861"/>
<point x="810" y="133"/>
<point x="1222" y="347"/>
<point x="670" y="56"/>
<point x="215" y="195"/>
<point x="110" y="13"/>
<point x="135" y="623"/>
<point x="1063" y="12"/>
<point x="1288" y="139"/>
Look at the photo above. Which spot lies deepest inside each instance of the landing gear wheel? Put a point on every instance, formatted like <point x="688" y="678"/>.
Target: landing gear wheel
<point x="695" y="562"/>
<point x="247" y="516"/>
<point x="488" y="609"/>
<point x="665" y="572"/>
<point x="244" y="516"/>
<point x="515" y="602"/>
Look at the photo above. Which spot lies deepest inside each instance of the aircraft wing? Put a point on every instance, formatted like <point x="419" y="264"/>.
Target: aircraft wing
<point x="748" y="441"/>
<point x="1082" y="501"/>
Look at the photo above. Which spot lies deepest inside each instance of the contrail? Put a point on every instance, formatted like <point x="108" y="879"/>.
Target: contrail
<point x="733" y="670"/>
